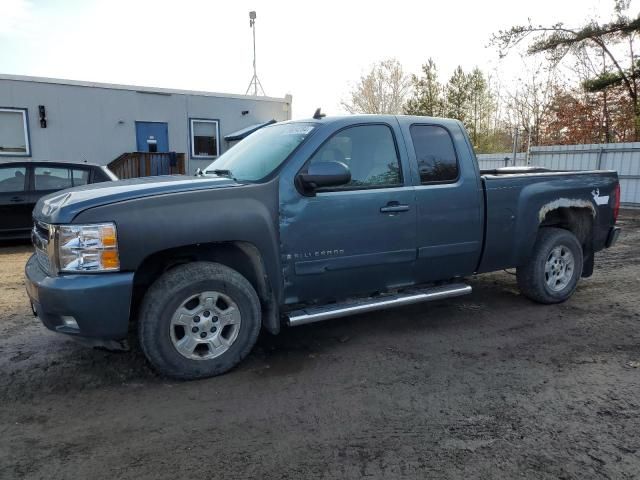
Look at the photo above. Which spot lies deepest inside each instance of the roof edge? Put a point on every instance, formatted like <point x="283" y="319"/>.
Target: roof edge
<point x="139" y="88"/>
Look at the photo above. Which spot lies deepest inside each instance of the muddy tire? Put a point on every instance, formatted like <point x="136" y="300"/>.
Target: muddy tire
<point x="198" y="320"/>
<point x="554" y="268"/>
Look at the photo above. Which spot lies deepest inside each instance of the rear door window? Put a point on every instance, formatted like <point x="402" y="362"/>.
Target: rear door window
<point x="12" y="178"/>
<point x="80" y="176"/>
<point x="52" y="178"/>
<point x="435" y="154"/>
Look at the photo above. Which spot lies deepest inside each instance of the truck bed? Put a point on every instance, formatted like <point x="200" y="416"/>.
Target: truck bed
<point x="517" y="200"/>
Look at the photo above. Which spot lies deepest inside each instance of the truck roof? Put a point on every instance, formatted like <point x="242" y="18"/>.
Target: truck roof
<point x="377" y="117"/>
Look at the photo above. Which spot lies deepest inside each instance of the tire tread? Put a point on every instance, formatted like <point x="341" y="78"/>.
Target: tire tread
<point x="530" y="276"/>
<point x="156" y="298"/>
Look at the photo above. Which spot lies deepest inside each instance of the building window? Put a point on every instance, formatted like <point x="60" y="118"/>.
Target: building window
<point x="205" y="136"/>
<point x="14" y="133"/>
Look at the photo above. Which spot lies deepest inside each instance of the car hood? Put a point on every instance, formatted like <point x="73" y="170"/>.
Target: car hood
<point x="63" y="206"/>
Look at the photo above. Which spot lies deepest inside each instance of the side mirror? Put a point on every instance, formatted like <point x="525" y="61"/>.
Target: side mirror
<point x="325" y="174"/>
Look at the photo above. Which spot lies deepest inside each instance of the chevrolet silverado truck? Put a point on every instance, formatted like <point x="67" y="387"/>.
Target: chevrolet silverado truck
<point x="305" y="221"/>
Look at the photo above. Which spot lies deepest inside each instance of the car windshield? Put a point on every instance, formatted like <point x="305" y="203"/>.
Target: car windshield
<point x="260" y="153"/>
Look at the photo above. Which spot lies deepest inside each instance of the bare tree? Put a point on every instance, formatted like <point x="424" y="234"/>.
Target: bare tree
<point x="602" y="39"/>
<point x="383" y="90"/>
<point x="528" y="105"/>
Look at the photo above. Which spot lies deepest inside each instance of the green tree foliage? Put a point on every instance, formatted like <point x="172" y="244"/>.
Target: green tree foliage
<point x="467" y="97"/>
<point x="481" y="105"/>
<point x="457" y="96"/>
<point x="427" y="93"/>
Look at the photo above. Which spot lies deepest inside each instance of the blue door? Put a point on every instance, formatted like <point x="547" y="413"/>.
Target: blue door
<point x="152" y="137"/>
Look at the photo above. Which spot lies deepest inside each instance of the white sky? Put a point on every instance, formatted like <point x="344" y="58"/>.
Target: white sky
<point x="313" y="50"/>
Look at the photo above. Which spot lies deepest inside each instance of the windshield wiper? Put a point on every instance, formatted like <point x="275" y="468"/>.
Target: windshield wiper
<point x="221" y="173"/>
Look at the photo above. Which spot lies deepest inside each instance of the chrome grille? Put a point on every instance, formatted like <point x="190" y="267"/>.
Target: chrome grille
<point x="43" y="260"/>
<point x="40" y="240"/>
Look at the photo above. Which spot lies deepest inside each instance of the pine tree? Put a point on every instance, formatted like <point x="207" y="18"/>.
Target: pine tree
<point x="480" y="106"/>
<point x="427" y="93"/>
<point x="457" y="96"/>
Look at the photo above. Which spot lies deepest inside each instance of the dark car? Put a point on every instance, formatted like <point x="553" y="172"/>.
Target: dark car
<point x="23" y="183"/>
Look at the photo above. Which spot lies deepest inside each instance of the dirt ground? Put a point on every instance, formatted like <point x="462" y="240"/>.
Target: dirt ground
<point x="489" y="385"/>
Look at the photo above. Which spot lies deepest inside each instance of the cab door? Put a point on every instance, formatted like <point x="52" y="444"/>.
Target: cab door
<point x="449" y="201"/>
<point x="358" y="238"/>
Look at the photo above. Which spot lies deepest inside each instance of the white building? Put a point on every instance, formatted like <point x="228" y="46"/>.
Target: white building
<point x="45" y="119"/>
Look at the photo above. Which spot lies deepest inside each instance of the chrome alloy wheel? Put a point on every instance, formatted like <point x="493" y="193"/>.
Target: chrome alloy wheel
<point x="205" y="325"/>
<point x="559" y="268"/>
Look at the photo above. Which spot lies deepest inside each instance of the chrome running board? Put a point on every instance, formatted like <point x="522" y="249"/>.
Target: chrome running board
<point x="327" y="312"/>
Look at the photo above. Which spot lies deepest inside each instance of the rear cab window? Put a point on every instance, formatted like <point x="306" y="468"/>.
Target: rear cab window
<point x="435" y="154"/>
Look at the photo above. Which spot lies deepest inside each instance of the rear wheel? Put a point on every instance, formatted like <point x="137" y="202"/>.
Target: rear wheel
<point x="552" y="273"/>
<point x="199" y="320"/>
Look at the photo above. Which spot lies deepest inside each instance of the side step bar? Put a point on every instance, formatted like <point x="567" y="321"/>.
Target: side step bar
<point x="326" y="312"/>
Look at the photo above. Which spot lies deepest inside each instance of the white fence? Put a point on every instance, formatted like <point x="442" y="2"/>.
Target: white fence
<point x="622" y="157"/>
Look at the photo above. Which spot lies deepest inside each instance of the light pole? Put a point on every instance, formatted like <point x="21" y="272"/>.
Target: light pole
<point x="255" y="82"/>
<point x="515" y="146"/>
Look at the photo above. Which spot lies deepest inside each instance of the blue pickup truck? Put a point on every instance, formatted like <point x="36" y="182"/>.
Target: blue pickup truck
<point x="306" y="221"/>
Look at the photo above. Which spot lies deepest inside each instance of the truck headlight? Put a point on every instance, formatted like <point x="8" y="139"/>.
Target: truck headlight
<point x="87" y="248"/>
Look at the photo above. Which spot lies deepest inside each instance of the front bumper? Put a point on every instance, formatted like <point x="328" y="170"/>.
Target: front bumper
<point x="98" y="304"/>
<point x="612" y="237"/>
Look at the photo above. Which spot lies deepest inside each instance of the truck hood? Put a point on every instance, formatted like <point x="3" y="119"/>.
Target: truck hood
<point x="63" y="206"/>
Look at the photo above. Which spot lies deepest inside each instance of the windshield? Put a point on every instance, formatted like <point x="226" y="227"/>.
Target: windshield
<point x="260" y="153"/>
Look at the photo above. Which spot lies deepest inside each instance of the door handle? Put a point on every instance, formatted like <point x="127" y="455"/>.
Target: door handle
<point x="16" y="199"/>
<point x="394" y="207"/>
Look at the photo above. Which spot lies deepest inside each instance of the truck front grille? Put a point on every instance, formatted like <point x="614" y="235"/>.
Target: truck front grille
<point x="40" y="240"/>
<point x="43" y="261"/>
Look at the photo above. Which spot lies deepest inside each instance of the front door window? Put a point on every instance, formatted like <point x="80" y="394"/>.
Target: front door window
<point x="370" y="153"/>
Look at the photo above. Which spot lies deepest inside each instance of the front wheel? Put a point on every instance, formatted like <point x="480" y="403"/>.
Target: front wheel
<point x="198" y="320"/>
<point x="552" y="273"/>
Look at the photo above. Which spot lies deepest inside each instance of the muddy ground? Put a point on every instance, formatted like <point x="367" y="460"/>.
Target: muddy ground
<point x="489" y="385"/>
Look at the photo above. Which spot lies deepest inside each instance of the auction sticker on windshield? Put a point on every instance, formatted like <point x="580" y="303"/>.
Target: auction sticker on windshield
<point x="298" y="130"/>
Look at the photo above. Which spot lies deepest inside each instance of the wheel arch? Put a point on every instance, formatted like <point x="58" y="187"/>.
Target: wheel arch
<point x="546" y="282"/>
<point x="578" y="220"/>
<point x="242" y="256"/>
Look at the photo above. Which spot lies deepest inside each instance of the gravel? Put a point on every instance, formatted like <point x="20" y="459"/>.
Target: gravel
<point x="489" y="385"/>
